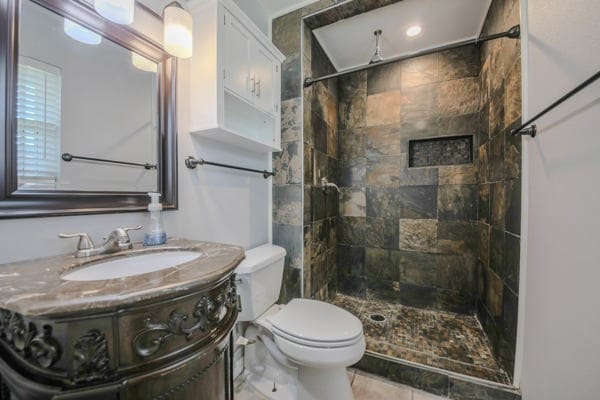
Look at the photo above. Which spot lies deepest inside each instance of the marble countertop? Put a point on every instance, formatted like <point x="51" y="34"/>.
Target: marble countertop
<point x="35" y="288"/>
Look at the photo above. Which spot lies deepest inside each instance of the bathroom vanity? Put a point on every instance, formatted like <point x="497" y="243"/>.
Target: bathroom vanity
<point x="159" y="334"/>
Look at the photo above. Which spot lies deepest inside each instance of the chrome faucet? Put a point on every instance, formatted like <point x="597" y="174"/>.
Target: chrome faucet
<point x="117" y="240"/>
<point x="326" y="184"/>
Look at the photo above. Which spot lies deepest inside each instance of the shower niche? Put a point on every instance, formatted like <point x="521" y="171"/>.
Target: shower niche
<point x="453" y="150"/>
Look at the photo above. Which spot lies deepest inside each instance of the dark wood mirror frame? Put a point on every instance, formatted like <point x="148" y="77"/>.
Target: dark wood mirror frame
<point x="20" y="204"/>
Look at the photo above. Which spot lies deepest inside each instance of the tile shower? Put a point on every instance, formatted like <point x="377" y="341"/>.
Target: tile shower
<point x="423" y="242"/>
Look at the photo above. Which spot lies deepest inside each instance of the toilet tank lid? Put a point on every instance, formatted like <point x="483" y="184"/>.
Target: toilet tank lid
<point x="259" y="257"/>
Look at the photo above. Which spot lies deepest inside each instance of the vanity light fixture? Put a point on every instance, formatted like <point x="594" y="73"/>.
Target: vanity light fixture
<point x="80" y="33"/>
<point x="117" y="11"/>
<point x="177" y="31"/>
<point x="413" y="31"/>
<point x="143" y="63"/>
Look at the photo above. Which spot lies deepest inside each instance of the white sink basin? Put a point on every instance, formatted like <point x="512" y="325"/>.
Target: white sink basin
<point x="131" y="266"/>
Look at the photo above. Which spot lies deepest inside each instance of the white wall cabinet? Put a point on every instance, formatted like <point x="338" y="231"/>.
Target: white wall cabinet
<point x="236" y="60"/>
<point x="235" y="77"/>
<point x="266" y="77"/>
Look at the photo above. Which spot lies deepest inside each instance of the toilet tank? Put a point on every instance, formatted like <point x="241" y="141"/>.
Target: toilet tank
<point x="259" y="280"/>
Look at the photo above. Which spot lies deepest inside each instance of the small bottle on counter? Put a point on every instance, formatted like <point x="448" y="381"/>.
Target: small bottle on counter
<point x="155" y="234"/>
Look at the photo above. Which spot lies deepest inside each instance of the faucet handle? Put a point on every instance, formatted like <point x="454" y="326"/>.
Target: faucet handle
<point x="85" y="242"/>
<point x="123" y="235"/>
<point x="137" y="228"/>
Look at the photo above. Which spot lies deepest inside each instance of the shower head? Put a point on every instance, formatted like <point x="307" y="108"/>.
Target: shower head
<point x="377" y="56"/>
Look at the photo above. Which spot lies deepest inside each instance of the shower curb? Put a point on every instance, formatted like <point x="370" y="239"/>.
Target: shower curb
<point x="436" y="381"/>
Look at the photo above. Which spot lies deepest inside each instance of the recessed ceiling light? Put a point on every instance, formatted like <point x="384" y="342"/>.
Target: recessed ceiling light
<point x="413" y="31"/>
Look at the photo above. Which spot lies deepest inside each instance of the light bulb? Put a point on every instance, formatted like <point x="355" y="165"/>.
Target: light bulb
<point x="141" y="62"/>
<point x="117" y="11"/>
<point x="80" y="33"/>
<point x="177" y="31"/>
<point x="413" y="31"/>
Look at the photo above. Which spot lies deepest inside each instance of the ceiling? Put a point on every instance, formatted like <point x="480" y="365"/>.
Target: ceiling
<point x="155" y="5"/>
<point x="277" y="8"/>
<point x="351" y="43"/>
<point x="273" y="8"/>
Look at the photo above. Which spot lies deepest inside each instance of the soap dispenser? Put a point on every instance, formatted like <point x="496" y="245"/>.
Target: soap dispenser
<point x="155" y="234"/>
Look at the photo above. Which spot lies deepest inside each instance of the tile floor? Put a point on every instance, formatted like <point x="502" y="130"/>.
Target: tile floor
<point x="364" y="387"/>
<point x="452" y="342"/>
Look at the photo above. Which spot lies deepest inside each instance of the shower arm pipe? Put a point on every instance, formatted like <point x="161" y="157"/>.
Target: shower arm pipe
<point x="512" y="33"/>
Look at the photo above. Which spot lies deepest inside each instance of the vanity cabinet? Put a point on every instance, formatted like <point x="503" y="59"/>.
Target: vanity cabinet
<point x="177" y="348"/>
<point x="160" y="335"/>
<point x="235" y="79"/>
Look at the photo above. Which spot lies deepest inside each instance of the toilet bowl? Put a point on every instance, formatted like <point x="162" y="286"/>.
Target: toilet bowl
<point x="298" y="350"/>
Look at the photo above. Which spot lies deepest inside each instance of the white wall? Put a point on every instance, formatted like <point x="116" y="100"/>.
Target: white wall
<point x="560" y="347"/>
<point x="214" y="204"/>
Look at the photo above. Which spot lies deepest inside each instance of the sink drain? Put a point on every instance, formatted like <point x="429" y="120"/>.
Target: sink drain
<point x="377" y="317"/>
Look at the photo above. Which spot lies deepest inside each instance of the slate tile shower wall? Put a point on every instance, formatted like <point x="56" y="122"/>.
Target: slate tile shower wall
<point x="320" y="161"/>
<point x="441" y="237"/>
<point x="500" y="184"/>
<point x="288" y="206"/>
<point x="409" y="235"/>
<point x="287" y="165"/>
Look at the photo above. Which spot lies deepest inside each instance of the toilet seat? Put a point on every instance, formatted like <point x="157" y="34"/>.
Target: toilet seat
<point x="314" y="343"/>
<point x="316" y="324"/>
<point x="319" y="357"/>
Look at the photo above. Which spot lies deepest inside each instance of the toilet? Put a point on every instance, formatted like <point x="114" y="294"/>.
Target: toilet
<point x="295" y="351"/>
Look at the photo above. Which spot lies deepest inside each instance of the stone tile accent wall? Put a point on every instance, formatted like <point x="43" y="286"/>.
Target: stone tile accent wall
<point x="500" y="184"/>
<point x="320" y="161"/>
<point x="288" y="206"/>
<point x="287" y="183"/>
<point x="408" y="235"/>
<point x="443" y="237"/>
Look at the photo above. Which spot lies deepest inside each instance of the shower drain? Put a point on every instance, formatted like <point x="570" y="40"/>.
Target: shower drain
<point x="377" y="317"/>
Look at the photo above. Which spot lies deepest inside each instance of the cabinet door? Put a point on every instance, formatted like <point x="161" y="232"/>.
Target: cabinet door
<point x="265" y="70"/>
<point x="237" y="47"/>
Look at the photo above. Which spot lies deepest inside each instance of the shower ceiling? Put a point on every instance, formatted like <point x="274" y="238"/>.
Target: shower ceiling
<point x="350" y="42"/>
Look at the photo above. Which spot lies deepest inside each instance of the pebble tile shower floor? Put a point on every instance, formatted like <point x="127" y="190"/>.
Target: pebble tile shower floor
<point x="453" y="342"/>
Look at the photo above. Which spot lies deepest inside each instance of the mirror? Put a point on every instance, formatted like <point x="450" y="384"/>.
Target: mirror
<point x="81" y="95"/>
<point x="90" y="104"/>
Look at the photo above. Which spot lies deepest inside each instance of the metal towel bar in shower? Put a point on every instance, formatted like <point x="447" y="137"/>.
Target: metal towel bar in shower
<point x="532" y="130"/>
